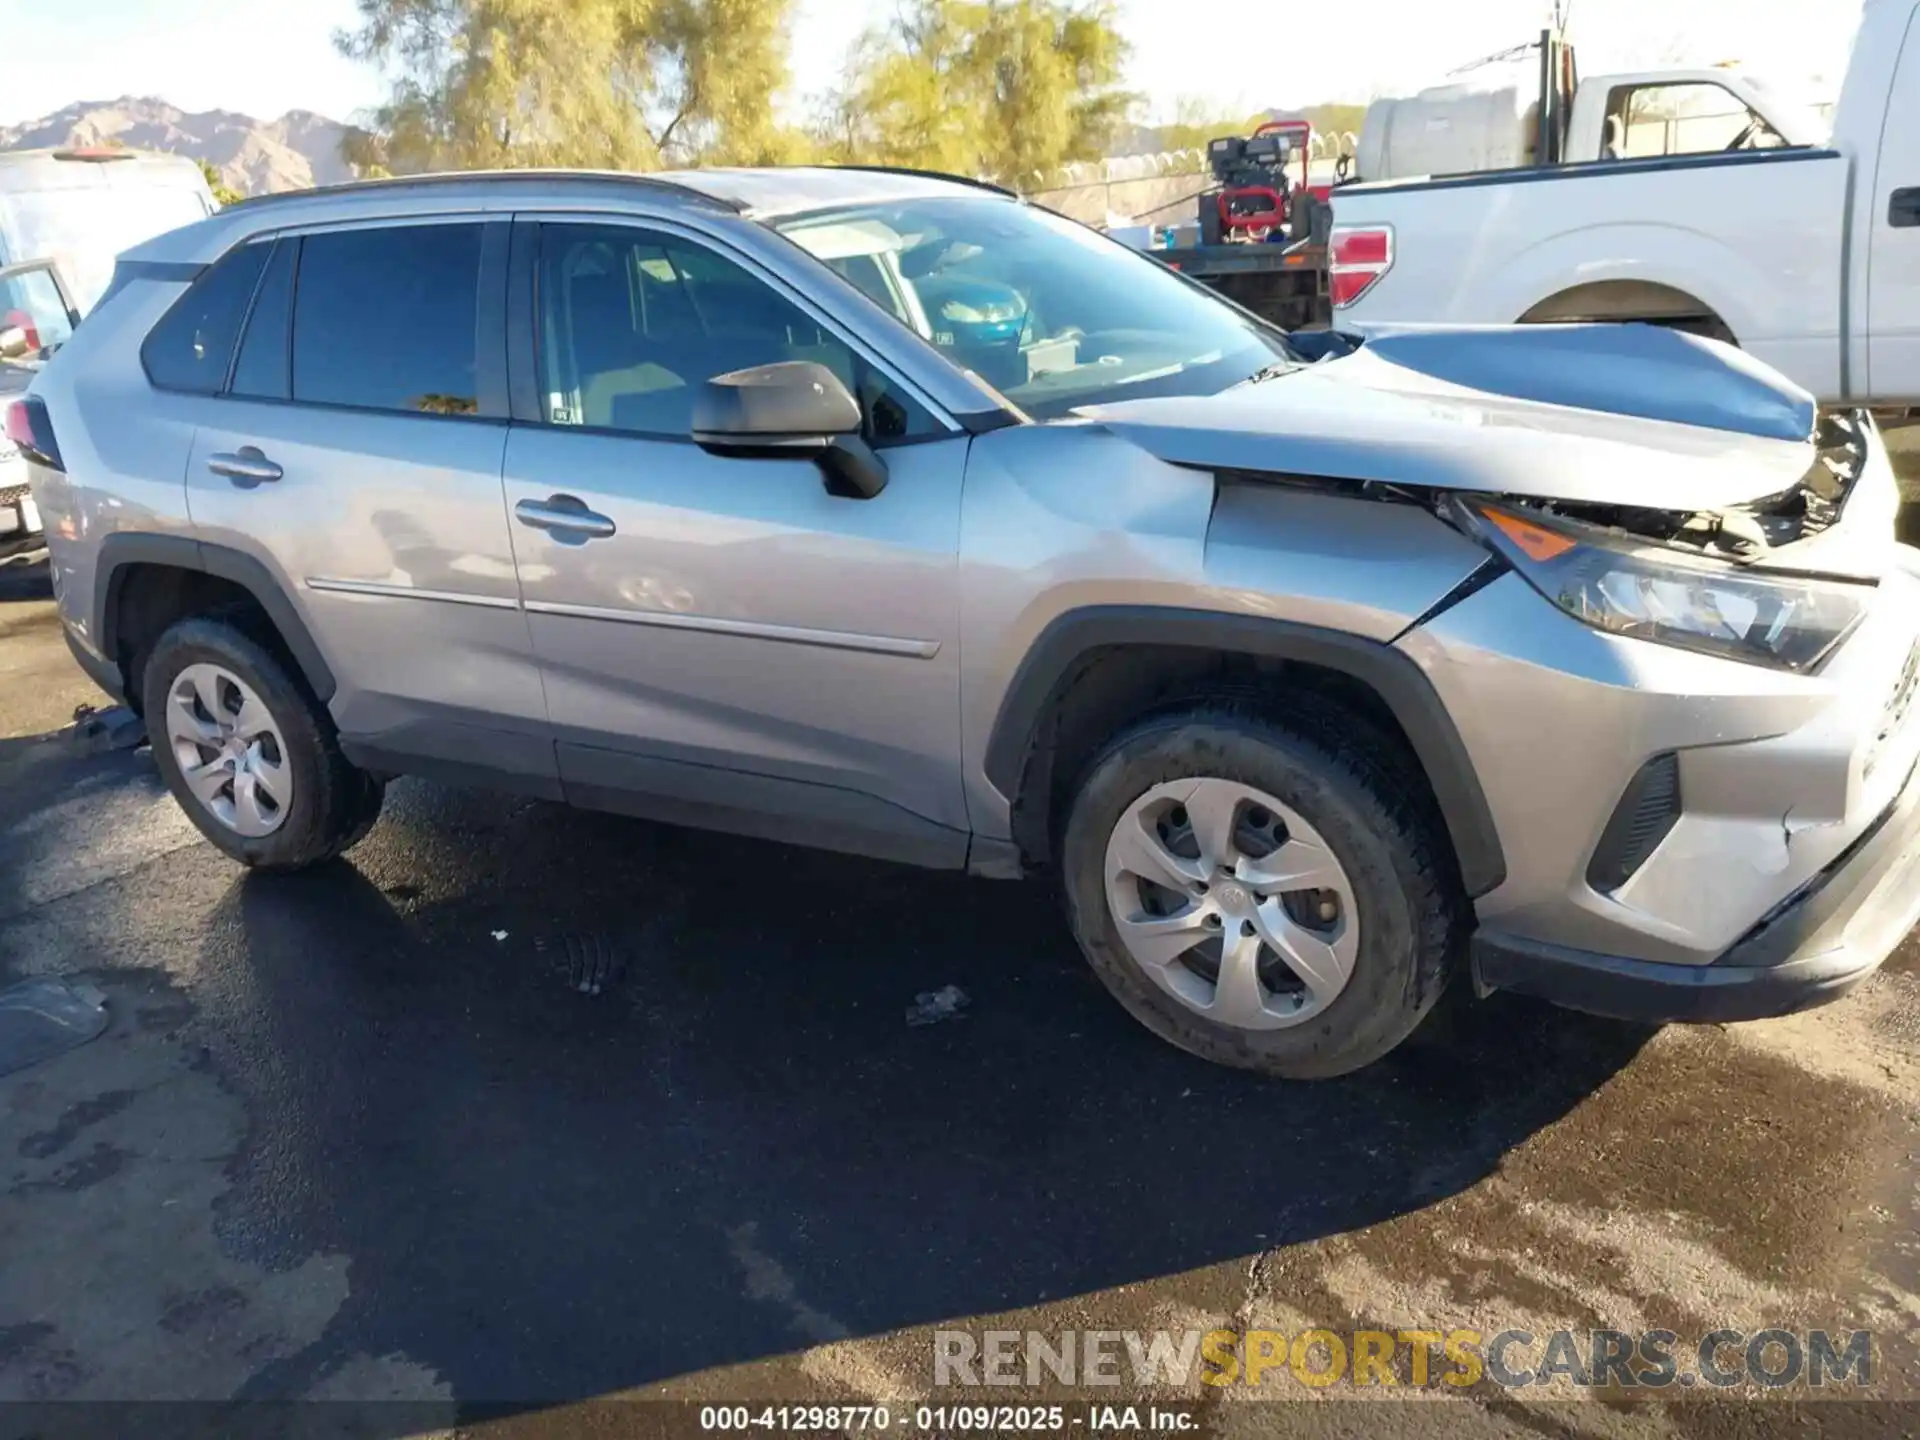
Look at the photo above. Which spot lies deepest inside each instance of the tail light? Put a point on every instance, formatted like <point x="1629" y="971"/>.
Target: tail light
<point x="1361" y="254"/>
<point x="31" y="429"/>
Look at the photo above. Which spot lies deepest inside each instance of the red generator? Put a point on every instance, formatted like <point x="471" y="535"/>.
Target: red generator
<point x="1255" y="201"/>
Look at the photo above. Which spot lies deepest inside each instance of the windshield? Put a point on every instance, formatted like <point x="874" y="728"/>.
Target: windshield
<point x="1049" y="313"/>
<point x="84" y="228"/>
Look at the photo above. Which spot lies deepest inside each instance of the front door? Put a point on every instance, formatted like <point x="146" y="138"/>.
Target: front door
<point x="722" y="637"/>
<point x="356" y="452"/>
<point x="1893" y="299"/>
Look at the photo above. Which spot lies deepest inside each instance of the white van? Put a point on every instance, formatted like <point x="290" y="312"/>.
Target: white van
<point x="65" y="215"/>
<point x="81" y="208"/>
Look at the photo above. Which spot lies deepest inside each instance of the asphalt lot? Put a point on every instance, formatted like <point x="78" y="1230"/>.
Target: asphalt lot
<point x="362" y="1135"/>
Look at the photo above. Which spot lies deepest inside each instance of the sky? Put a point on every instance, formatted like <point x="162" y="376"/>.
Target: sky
<point x="264" y="57"/>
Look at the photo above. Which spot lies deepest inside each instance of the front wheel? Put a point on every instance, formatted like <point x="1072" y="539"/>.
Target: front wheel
<point x="1263" y="895"/>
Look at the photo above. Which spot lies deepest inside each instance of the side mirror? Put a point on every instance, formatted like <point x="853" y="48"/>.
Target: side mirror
<point x="790" y="410"/>
<point x="15" y="343"/>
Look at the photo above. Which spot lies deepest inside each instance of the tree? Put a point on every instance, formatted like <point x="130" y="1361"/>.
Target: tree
<point x="604" y="84"/>
<point x="1008" y="89"/>
<point x="223" y="193"/>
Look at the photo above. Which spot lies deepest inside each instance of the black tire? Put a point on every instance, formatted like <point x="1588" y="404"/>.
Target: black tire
<point x="334" y="802"/>
<point x="1346" y="779"/>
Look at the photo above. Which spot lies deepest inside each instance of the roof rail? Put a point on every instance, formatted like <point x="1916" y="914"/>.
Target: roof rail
<point x="459" y="177"/>
<point x="930" y="175"/>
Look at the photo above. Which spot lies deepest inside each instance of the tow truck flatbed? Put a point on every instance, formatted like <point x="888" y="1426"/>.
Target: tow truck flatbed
<point x="1286" y="284"/>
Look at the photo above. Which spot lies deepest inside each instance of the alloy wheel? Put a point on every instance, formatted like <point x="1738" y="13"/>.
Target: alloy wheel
<point x="1232" y="903"/>
<point x="230" y="751"/>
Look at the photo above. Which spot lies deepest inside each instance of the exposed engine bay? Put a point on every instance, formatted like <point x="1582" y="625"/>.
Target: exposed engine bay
<point x="1777" y="581"/>
<point x="1753" y="531"/>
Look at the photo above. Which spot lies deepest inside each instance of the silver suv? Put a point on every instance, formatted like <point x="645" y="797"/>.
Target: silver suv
<point x="883" y="512"/>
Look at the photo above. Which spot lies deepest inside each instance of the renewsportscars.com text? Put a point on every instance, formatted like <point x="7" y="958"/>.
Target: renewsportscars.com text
<point x="1511" y="1359"/>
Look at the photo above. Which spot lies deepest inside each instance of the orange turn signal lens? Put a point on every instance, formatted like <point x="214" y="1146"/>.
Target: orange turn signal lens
<point x="1536" y="542"/>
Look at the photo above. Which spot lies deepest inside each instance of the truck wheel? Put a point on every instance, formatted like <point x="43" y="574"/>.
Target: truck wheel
<point x="250" y="754"/>
<point x="1261" y="894"/>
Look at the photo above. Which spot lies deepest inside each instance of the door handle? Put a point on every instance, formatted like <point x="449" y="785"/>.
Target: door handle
<point x="246" y="467"/>
<point x="1903" y="210"/>
<point x="565" y="518"/>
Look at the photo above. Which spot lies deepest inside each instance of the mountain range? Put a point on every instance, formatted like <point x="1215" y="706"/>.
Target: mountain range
<point x="253" y="157"/>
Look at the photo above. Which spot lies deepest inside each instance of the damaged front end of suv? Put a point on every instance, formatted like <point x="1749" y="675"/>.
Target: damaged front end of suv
<point x="1685" y="668"/>
<point x="1775" y="581"/>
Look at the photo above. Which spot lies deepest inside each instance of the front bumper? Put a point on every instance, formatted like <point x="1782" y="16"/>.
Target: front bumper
<point x="1813" y="948"/>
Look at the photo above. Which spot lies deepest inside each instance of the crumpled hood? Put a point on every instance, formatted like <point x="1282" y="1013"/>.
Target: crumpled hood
<point x="1610" y="414"/>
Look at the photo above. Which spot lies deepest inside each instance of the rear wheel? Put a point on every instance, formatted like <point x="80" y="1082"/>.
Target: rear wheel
<point x="1261" y="894"/>
<point x="251" y="755"/>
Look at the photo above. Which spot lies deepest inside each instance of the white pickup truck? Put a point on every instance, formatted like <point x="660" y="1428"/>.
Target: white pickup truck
<point x="1807" y="255"/>
<point x="1490" y="117"/>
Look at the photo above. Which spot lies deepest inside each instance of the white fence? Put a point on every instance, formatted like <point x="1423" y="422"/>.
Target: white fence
<point x="1325" y="149"/>
<point x="1154" y="189"/>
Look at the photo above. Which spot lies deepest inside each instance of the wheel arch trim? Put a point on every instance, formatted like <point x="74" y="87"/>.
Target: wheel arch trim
<point x="1390" y="674"/>
<point x="120" y="553"/>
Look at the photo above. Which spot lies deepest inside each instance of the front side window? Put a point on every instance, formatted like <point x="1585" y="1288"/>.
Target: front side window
<point x="1051" y="314"/>
<point x="387" y="319"/>
<point x="193" y="343"/>
<point x="633" y="323"/>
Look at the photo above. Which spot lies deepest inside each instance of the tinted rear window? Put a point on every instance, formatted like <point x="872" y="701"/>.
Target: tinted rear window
<point x="191" y="346"/>
<point x="385" y="319"/>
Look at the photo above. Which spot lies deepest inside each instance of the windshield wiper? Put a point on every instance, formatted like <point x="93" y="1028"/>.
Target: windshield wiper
<point x="1273" y="371"/>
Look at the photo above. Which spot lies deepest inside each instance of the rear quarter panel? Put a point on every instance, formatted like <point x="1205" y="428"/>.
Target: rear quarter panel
<point x="124" y="443"/>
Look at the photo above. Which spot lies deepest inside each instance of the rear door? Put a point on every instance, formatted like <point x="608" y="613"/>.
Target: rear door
<point x="1893" y="297"/>
<point x="721" y="635"/>
<point x="356" y="450"/>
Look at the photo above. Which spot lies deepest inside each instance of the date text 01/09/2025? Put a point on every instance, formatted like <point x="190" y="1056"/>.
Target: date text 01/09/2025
<point x="953" y="1419"/>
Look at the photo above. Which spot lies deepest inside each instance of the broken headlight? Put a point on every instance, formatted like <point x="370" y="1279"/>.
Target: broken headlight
<point x="1627" y="587"/>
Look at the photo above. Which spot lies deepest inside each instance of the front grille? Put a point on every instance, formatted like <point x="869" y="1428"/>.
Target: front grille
<point x="14" y="494"/>
<point x="1899" y="706"/>
<point x="1648" y="809"/>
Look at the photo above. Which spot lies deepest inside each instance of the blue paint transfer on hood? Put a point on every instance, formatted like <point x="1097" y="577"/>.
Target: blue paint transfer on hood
<point x="1575" y="413"/>
<point x="1642" y="370"/>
